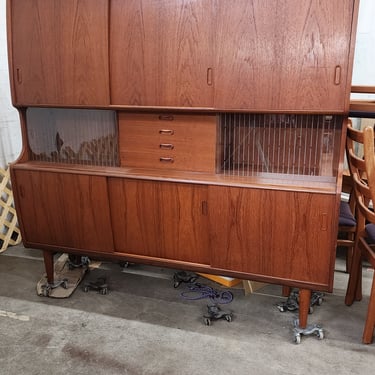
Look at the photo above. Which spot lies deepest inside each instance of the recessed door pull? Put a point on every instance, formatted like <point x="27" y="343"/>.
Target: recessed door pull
<point x="19" y="75"/>
<point x="204" y="208"/>
<point x="166" y="118"/>
<point x="337" y="75"/>
<point x="209" y="76"/>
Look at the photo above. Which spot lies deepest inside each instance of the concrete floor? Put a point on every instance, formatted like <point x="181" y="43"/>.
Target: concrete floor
<point x="144" y="326"/>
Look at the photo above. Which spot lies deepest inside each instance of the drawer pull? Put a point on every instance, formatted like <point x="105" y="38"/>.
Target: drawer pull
<point x="166" y="131"/>
<point x="166" y="160"/>
<point x="166" y="146"/>
<point x="166" y="118"/>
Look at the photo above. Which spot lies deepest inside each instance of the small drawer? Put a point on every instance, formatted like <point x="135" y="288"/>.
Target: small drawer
<point x="178" y="142"/>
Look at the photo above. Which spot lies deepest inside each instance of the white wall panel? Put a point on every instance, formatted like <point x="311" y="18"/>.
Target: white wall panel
<point x="10" y="132"/>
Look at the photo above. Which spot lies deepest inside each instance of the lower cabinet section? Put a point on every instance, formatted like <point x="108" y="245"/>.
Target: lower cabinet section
<point x="272" y="235"/>
<point x="160" y="219"/>
<point x="276" y="234"/>
<point x="62" y="209"/>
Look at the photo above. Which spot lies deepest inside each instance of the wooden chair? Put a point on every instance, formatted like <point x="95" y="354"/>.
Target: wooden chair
<point x="363" y="174"/>
<point x="347" y="220"/>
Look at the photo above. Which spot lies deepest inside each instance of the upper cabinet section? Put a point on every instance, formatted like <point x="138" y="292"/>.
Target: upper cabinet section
<point x="59" y="52"/>
<point x="220" y="55"/>
<point x="283" y="55"/>
<point x="161" y="53"/>
<point x="251" y="55"/>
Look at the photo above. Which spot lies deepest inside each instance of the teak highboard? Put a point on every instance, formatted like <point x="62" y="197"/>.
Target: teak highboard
<point x="201" y="135"/>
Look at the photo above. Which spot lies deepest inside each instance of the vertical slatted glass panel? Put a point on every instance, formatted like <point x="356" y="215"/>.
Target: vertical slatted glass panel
<point x="74" y="136"/>
<point x="253" y="144"/>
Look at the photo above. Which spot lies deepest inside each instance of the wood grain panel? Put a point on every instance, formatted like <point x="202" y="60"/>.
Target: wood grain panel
<point x="273" y="233"/>
<point x="60" y="52"/>
<point x="150" y="140"/>
<point x="163" y="220"/>
<point x="272" y="57"/>
<point x="160" y="53"/>
<point x="64" y="210"/>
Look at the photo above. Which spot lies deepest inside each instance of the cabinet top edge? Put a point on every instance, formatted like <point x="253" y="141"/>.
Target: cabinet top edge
<point x="324" y="185"/>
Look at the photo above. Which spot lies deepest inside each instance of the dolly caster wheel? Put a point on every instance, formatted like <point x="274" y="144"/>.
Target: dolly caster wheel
<point x="228" y="318"/>
<point x="297" y="338"/>
<point x="99" y="285"/>
<point x="314" y="329"/>
<point x="215" y="313"/>
<point x="76" y="261"/>
<point x="46" y="290"/>
<point x="183" y="277"/>
<point x="320" y="334"/>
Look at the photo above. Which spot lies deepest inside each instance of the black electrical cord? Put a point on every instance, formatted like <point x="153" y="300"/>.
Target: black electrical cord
<point x="198" y="291"/>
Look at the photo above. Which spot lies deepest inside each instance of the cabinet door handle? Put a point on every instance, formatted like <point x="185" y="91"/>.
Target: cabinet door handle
<point x="166" y="146"/>
<point x="209" y="76"/>
<point x="22" y="192"/>
<point x="204" y="208"/>
<point x="166" y="118"/>
<point x="323" y="222"/>
<point x="337" y="75"/>
<point x="166" y="160"/>
<point x="19" y="75"/>
<point x="166" y="131"/>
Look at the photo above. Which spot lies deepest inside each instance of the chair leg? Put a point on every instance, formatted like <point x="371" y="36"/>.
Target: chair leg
<point x="354" y="289"/>
<point x="358" y="289"/>
<point x="349" y="254"/>
<point x="368" y="333"/>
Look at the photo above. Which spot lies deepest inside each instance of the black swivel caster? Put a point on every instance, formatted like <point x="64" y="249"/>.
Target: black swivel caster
<point x="292" y="303"/>
<point x="77" y="261"/>
<point x="47" y="288"/>
<point x="183" y="277"/>
<point x="215" y="313"/>
<point x="99" y="285"/>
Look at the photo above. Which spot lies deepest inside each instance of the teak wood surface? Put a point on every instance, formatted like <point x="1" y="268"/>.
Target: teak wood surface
<point x="194" y="59"/>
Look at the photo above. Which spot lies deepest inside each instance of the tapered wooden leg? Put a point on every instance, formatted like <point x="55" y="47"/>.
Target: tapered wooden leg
<point x="49" y="266"/>
<point x="286" y="291"/>
<point x="304" y="306"/>
<point x="368" y="333"/>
